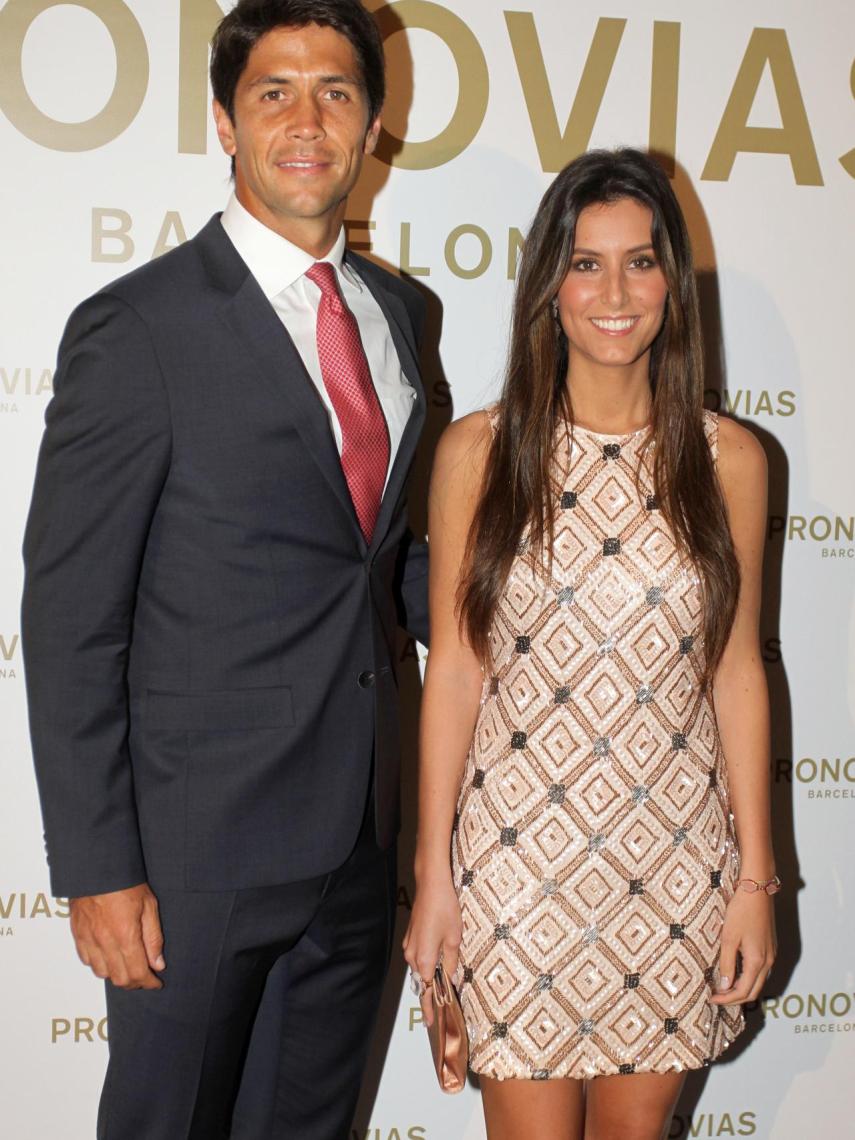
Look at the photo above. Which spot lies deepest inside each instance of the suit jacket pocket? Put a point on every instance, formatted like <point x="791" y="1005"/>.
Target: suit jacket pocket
<point x="229" y="710"/>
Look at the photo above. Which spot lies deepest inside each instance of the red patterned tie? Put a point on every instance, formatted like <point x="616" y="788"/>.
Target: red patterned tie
<point x="347" y="379"/>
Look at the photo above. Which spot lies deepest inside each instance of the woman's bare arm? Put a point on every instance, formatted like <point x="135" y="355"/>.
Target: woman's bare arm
<point x="742" y="710"/>
<point x="451" y="697"/>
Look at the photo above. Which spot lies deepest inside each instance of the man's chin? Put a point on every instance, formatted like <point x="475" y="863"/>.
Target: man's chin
<point x="308" y="207"/>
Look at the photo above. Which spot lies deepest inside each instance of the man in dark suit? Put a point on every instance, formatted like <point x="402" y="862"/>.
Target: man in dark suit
<point x="217" y="558"/>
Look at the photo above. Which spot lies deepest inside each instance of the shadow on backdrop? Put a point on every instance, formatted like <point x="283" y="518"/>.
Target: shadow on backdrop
<point x="720" y="397"/>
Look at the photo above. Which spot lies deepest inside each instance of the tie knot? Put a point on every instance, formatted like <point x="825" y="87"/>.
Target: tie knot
<point x="323" y="275"/>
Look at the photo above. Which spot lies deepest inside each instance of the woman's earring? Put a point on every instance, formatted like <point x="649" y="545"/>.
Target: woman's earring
<point x="555" y="308"/>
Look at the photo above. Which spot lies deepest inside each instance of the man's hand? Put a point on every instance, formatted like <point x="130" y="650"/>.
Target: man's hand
<point x="118" y="935"/>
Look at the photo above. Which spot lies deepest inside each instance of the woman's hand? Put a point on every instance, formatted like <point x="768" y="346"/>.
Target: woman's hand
<point x="435" y="930"/>
<point x="749" y="928"/>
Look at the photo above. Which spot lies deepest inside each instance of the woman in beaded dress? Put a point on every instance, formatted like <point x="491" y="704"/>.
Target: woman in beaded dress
<point x="595" y="715"/>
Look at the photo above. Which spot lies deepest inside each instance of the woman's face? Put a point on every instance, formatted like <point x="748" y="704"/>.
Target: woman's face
<point x="612" y="302"/>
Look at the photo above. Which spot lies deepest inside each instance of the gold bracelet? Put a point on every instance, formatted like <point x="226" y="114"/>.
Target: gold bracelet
<point x="770" y="886"/>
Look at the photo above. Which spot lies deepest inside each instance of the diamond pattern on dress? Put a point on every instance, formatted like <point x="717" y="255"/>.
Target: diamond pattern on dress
<point x="594" y="855"/>
<point x="677" y="696"/>
<point x="522" y="688"/>
<point x="515" y="787"/>
<point x="561" y="647"/>
<point x="637" y="841"/>
<point x="502" y="978"/>
<point x="588" y="981"/>
<point x="599" y="793"/>
<point x="612" y="499"/>
<point x="558" y="745"/>
<point x="634" y="934"/>
<point x="552" y="839"/>
<point x="547" y="934"/>
<point x="602" y="693"/>
<point x="644" y="743"/>
<point x="650" y="646"/>
<point x="679" y="883"/>
<point x="657" y="549"/>
<point x="680" y="786"/>
<point x="568" y="547"/>
<point x="673" y="979"/>
<point x="521" y="598"/>
<point x="608" y="595"/>
<point x="541" y="1028"/>
<point x="504" y="886"/>
<point x="594" y="888"/>
<point x="629" y="1026"/>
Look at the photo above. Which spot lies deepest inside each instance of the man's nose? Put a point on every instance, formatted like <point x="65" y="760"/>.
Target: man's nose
<point x="306" y="122"/>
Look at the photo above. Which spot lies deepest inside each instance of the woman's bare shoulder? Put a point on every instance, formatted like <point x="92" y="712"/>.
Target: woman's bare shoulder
<point x="464" y="444"/>
<point x="741" y="458"/>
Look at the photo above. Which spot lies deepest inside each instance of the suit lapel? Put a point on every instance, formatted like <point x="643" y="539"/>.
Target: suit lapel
<point x="266" y="342"/>
<point x="254" y="322"/>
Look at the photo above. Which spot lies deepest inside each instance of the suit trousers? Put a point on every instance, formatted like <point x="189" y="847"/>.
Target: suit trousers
<point x="177" y="1054"/>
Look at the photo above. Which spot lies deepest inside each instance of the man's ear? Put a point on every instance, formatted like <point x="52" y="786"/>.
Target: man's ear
<point x="372" y="136"/>
<point x="225" y="129"/>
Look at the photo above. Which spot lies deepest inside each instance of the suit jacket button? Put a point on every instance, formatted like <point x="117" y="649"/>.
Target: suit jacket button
<point x="365" y="680"/>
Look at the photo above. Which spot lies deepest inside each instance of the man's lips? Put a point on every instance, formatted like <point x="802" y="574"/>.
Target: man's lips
<point x="303" y="165"/>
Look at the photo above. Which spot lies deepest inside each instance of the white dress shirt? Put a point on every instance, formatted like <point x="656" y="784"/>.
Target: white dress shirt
<point x="280" y="269"/>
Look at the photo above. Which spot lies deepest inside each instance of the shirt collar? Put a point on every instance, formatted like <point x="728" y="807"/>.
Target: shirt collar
<point x="275" y="262"/>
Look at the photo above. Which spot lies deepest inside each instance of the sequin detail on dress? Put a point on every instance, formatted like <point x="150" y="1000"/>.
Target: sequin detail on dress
<point x="594" y="852"/>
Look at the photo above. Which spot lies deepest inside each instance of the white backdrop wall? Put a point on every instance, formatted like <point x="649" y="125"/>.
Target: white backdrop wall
<point x="108" y="161"/>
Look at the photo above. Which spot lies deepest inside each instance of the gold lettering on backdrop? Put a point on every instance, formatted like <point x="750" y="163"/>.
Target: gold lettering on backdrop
<point x="59" y="1027"/>
<point x="7" y="650"/>
<point x="353" y="226"/>
<point x="557" y="149"/>
<point x="847" y="161"/>
<point x="474" y="80"/>
<point x="199" y="19"/>
<point x="664" y="88"/>
<point x="404" y="260"/>
<point x="516" y="241"/>
<point x="416" y="1017"/>
<point x="103" y="232"/>
<point x="793" y="138"/>
<point x="451" y="258"/>
<point x="81" y="1029"/>
<point x="18" y="904"/>
<point x="172" y="225"/>
<point x="124" y="102"/>
<point x="26" y="381"/>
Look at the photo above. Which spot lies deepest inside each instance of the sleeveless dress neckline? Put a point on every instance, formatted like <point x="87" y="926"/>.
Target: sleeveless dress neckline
<point x="617" y="437"/>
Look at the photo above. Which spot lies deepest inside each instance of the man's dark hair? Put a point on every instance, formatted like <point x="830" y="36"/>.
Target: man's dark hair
<point x="249" y="20"/>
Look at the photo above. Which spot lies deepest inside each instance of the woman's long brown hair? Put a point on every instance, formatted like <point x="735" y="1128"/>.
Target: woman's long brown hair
<point x="516" y="492"/>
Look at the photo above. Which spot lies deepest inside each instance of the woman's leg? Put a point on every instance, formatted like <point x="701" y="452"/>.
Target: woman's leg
<point x="638" y="1106"/>
<point x="533" y="1110"/>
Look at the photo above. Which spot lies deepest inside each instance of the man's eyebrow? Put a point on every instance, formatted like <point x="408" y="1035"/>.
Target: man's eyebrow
<point x="285" y="80"/>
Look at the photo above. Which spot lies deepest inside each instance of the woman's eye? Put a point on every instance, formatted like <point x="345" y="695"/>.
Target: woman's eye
<point x="643" y="262"/>
<point x="585" y="265"/>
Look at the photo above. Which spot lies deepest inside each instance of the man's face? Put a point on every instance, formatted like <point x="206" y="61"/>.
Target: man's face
<point x="301" y="130"/>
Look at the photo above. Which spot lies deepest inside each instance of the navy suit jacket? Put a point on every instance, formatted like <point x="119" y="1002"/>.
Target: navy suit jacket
<point x="209" y="642"/>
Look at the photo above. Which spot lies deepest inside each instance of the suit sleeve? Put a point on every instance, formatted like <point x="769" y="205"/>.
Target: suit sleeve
<point x="103" y="462"/>
<point x="411" y="592"/>
<point x="412" y="576"/>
